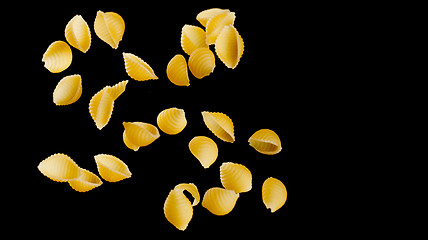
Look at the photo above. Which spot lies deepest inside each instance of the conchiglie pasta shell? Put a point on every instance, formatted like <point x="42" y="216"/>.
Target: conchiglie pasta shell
<point x="101" y="107"/>
<point x="177" y="71"/>
<point x="118" y="89"/>
<point x="109" y="27"/>
<point x="219" y="124"/>
<point x="139" y="134"/>
<point x="68" y="90"/>
<point x="204" y="149"/>
<point x="59" y="167"/>
<point x="216" y="24"/>
<point x="274" y="194"/>
<point x="205" y="15"/>
<point x="177" y="208"/>
<point x="235" y="177"/>
<point x="172" y="121"/>
<point x="57" y="57"/>
<point x="192" y="38"/>
<point x="85" y="182"/>
<point x="219" y="201"/>
<point x="229" y="46"/>
<point x="137" y="69"/>
<point x="201" y="62"/>
<point x="111" y="168"/>
<point x="78" y="34"/>
<point x="265" y="141"/>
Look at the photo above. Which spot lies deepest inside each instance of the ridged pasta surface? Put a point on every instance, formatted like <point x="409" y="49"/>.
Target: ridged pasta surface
<point x="86" y="181"/>
<point x="139" y="134"/>
<point x="177" y="71"/>
<point x="111" y="168"/>
<point x="101" y="107"/>
<point x="59" y="167"/>
<point x="204" y="149"/>
<point x="68" y="90"/>
<point x="118" y="89"/>
<point x="205" y="15"/>
<point x="219" y="124"/>
<point x="219" y="201"/>
<point x="192" y="38"/>
<point x="216" y="24"/>
<point x="177" y="207"/>
<point x="229" y="46"/>
<point x="172" y="120"/>
<point x="78" y="34"/>
<point x="137" y="69"/>
<point x="57" y="57"/>
<point x="274" y="194"/>
<point x="235" y="177"/>
<point x="201" y="62"/>
<point x="109" y="27"/>
<point x="265" y="141"/>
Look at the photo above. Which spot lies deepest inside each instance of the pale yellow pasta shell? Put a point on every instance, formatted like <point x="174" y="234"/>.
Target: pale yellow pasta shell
<point x="274" y="194"/>
<point x="204" y="149"/>
<point x="219" y="124"/>
<point x="109" y="27"/>
<point x="57" y="57"/>
<point x="219" y="201"/>
<point x="68" y="90"/>
<point x="192" y="38"/>
<point x="177" y="208"/>
<point x="118" y="89"/>
<point x="111" y="168"/>
<point x="59" y="167"/>
<point x="138" y="134"/>
<point x="201" y="62"/>
<point x="177" y="71"/>
<point x="172" y="120"/>
<point x="235" y="177"/>
<point x="205" y="15"/>
<point x="86" y="181"/>
<point x="265" y="141"/>
<point x="101" y="107"/>
<point x="216" y="24"/>
<point x="78" y="34"/>
<point x="137" y="69"/>
<point x="229" y="46"/>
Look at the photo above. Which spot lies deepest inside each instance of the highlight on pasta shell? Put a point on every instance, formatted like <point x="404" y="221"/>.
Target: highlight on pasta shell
<point x="172" y="120"/>
<point x="68" y="90"/>
<point x="57" y="57"/>
<point x="204" y="149"/>
<point x="137" y="69"/>
<point x="274" y="194"/>
<point x="192" y="38"/>
<point x="265" y="141"/>
<point x="111" y="168"/>
<point x="216" y="24"/>
<point x="219" y="201"/>
<point x="201" y="62"/>
<point x="235" y="177"/>
<point x="86" y="181"/>
<point x="59" y="167"/>
<point x="101" y="107"/>
<point x="109" y="27"/>
<point x="139" y="134"/>
<point x="78" y="34"/>
<point x="177" y="71"/>
<point x="205" y="15"/>
<point x="229" y="46"/>
<point x="219" y="124"/>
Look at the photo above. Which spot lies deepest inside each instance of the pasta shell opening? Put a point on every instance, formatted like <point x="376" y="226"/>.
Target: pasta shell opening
<point x="111" y="168"/>
<point x="265" y="141"/>
<point x="68" y="90"/>
<point x="109" y="27"/>
<point x="86" y="181"/>
<point x="78" y="34"/>
<point x="219" y="124"/>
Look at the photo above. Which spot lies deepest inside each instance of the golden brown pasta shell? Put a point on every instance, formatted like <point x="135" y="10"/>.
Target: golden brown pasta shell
<point x="274" y="194"/>
<point x="219" y="124"/>
<point x="265" y="141"/>
<point x="219" y="201"/>
<point x="235" y="177"/>
<point x="57" y="57"/>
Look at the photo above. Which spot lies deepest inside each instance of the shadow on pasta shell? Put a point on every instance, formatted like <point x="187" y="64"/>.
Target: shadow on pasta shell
<point x="59" y="167"/>
<point x="219" y="201"/>
<point x="219" y="124"/>
<point x="192" y="38"/>
<point x="137" y="69"/>
<point x="86" y="181"/>
<point x="139" y="134"/>
<point x="177" y="71"/>
<point x="172" y="120"/>
<point x="109" y="27"/>
<point x="57" y="57"/>
<point x="205" y="15"/>
<point x="68" y="90"/>
<point x="101" y="107"/>
<point x="78" y="34"/>
<point x="235" y="177"/>
<point x="111" y="168"/>
<point x="201" y="62"/>
<point x="216" y="24"/>
<point x="274" y="194"/>
<point x="265" y="141"/>
<point x="204" y="149"/>
<point x="229" y="46"/>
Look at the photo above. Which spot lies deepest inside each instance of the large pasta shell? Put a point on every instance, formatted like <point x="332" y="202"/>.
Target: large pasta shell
<point x="109" y="27"/>
<point x="265" y="141"/>
<point x="216" y="24"/>
<point x="235" y="177"/>
<point x="111" y="168"/>
<point x="201" y="62"/>
<point x="68" y="90"/>
<point x="138" y="134"/>
<point x="172" y="120"/>
<point x="118" y="89"/>
<point x="274" y="194"/>
<point x="101" y="107"/>
<point x="192" y="38"/>
<point x="177" y="208"/>
<point x="57" y="57"/>
<point x="59" y="167"/>
<point x="219" y="201"/>
<point x="219" y="124"/>
<point x="177" y="71"/>
<point x="204" y="149"/>
<point x="85" y="182"/>
<point x="78" y="34"/>
<point x="205" y="15"/>
<point x="229" y="46"/>
<point x="137" y="69"/>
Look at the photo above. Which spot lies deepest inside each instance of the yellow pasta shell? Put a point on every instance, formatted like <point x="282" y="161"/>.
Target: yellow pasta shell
<point x="274" y="194"/>
<point x="192" y="38"/>
<point x="138" y="134"/>
<point x="229" y="46"/>
<point x="216" y="24"/>
<point x="109" y="27"/>
<point x="235" y="177"/>
<point x="172" y="121"/>
<point x="111" y="168"/>
<point x="219" y="124"/>
<point x="118" y="89"/>
<point x="68" y="90"/>
<point x="101" y="107"/>
<point x="177" y="208"/>
<point x="265" y="141"/>
<point x="219" y="201"/>
<point x="201" y="62"/>
<point x="137" y="69"/>
<point x="78" y="34"/>
<point x="59" y="167"/>
<point x="204" y="149"/>
<point x="57" y="57"/>
<point x="85" y="182"/>
<point x="177" y="71"/>
<point x="205" y="15"/>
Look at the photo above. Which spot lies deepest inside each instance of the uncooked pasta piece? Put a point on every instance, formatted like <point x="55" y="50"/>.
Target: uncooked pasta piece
<point x="177" y="71"/>
<point x="204" y="149"/>
<point x="229" y="46"/>
<point x="219" y="124"/>
<point x="78" y="34"/>
<point x="101" y="107"/>
<point x="265" y="141"/>
<point x="172" y="121"/>
<point x="109" y="27"/>
<point x="219" y="201"/>
<point x="68" y="90"/>
<point x="274" y="194"/>
<point x="192" y="38"/>
<point x="59" y="167"/>
<point x="205" y="15"/>
<point x="138" y="134"/>
<point x="201" y="62"/>
<point x="216" y="24"/>
<point x="118" y="89"/>
<point x="137" y="69"/>
<point x="85" y="182"/>
<point x="235" y="177"/>
<point x="111" y="168"/>
<point x="57" y="57"/>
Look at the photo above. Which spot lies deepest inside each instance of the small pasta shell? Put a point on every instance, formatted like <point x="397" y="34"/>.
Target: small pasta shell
<point x="204" y="149"/>
<point x="109" y="27"/>
<point x="274" y="194"/>
<point x="78" y="34"/>
<point x="57" y="57"/>
<point x="205" y="15"/>
<point x="177" y="71"/>
<point x="68" y="90"/>
<point x="137" y="69"/>
<point x="177" y="208"/>
<point x="265" y="141"/>
<point x="219" y="124"/>
<point x="201" y="62"/>
<point x="192" y="38"/>
<point x="59" y="167"/>
<point x="138" y="134"/>
<point x="219" y="201"/>
<point x="101" y="107"/>
<point x="85" y="182"/>
<point x="229" y="46"/>
<point x="235" y="177"/>
<point x="118" y="89"/>
<point x="216" y="24"/>
<point x="111" y="168"/>
<point x="172" y="121"/>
